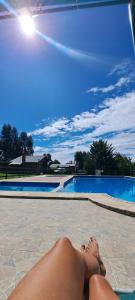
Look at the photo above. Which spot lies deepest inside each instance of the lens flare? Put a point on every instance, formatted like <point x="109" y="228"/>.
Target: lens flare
<point x="8" y="7"/>
<point x="79" y="55"/>
<point x="131" y="24"/>
<point x="27" y="24"/>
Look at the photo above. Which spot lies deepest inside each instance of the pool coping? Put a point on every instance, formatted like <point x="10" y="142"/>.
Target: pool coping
<point x="101" y="199"/>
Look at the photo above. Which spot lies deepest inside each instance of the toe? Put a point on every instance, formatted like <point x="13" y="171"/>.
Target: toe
<point x="82" y="248"/>
<point x="92" y="240"/>
<point x="102" y="269"/>
<point x="89" y="242"/>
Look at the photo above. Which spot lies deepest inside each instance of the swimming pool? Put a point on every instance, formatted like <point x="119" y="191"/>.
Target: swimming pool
<point x="119" y="187"/>
<point x="126" y="295"/>
<point x="27" y="186"/>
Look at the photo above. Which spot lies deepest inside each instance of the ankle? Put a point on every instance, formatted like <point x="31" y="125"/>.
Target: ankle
<point x="83" y="263"/>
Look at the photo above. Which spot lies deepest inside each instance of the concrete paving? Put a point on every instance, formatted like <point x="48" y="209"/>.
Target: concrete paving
<point x="104" y="200"/>
<point x="61" y="179"/>
<point x="28" y="227"/>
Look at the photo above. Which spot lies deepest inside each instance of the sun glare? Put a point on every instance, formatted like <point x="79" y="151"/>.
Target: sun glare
<point x="27" y="24"/>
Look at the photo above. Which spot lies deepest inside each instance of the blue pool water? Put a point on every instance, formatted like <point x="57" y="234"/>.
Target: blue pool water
<point x="27" y="186"/>
<point x="119" y="187"/>
<point x="126" y="296"/>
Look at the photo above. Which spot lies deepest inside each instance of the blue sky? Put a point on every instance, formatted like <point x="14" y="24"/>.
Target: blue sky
<point x="69" y="94"/>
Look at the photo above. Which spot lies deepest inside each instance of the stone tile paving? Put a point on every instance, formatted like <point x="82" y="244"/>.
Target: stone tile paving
<point x="43" y="178"/>
<point x="29" y="227"/>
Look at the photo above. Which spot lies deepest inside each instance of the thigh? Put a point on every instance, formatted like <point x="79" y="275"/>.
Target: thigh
<point x="58" y="275"/>
<point x="100" y="289"/>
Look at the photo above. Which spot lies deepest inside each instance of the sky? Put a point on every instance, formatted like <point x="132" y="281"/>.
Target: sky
<point x="72" y="82"/>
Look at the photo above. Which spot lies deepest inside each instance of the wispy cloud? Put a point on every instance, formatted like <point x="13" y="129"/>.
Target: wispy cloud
<point x="122" y="142"/>
<point x="125" y="74"/>
<point x="125" y="67"/>
<point x="120" y="68"/>
<point x="114" y="120"/>
<point x="114" y="114"/>
<point x="55" y="128"/>
<point x="120" y="83"/>
<point x="125" y="142"/>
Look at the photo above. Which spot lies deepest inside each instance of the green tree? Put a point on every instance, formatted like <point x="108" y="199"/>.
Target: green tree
<point x="46" y="161"/>
<point x="102" y="155"/>
<point x="123" y="164"/>
<point x="88" y="164"/>
<point x="12" y="145"/>
<point x="79" y="159"/>
<point x="133" y="168"/>
<point x="6" y="141"/>
<point x="15" y="143"/>
<point x="25" y="144"/>
<point x="56" y="161"/>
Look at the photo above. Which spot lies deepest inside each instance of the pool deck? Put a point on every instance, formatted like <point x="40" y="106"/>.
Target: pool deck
<point x="30" y="222"/>
<point x="61" y="179"/>
<point x="29" y="227"/>
<point x="103" y="200"/>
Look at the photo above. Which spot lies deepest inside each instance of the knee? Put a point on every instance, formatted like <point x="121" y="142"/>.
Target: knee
<point x="95" y="278"/>
<point x="64" y="241"/>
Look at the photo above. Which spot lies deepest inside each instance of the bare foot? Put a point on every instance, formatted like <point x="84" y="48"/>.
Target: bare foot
<point x="93" y="245"/>
<point x="92" y="258"/>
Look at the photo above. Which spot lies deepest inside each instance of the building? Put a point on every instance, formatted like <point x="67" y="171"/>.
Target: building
<point x="54" y="167"/>
<point x="31" y="163"/>
<point x="28" y="161"/>
<point x="65" y="168"/>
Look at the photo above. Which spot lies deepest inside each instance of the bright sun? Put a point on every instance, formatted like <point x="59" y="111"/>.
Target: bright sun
<point x="27" y="24"/>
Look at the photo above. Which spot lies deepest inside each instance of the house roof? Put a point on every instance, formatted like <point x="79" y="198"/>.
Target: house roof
<point x="28" y="159"/>
<point x="66" y="166"/>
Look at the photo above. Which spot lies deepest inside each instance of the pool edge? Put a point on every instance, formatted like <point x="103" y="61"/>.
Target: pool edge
<point x="103" y="200"/>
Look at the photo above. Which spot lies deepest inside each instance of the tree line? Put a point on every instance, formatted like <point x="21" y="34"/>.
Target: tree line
<point x="102" y="156"/>
<point x="14" y="144"/>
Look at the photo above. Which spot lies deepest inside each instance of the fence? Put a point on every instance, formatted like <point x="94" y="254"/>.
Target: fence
<point x="8" y="172"/>
<point x="12" y="172"/>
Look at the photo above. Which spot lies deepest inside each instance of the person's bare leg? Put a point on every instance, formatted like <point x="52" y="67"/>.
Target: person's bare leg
<point x="100" y="289"/>
<point x="92" y="248"/>
<point x="58" y="275"/>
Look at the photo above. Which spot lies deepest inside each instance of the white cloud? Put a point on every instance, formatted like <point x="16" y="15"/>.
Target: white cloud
<point x="55" y="128"/>
<point x="85" y="120"/>
<point x="123" y="68"/>
<point x="39" y="150"/>
<point x="117" y="114"/>
<point x="121" y="82"/>
<point x="124" y="141"/>
<point x="114" y="120"/>
<point x="114" y="114"/>
<point x="57" y="152"/>
<point x="124" y="71"/>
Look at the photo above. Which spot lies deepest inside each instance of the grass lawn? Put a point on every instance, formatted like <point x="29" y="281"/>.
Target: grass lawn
<point x="10" y="176"/>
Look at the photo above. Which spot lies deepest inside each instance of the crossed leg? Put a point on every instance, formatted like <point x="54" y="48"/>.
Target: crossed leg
<point x="61" y="274"/>
<point x="100" y="289"/>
